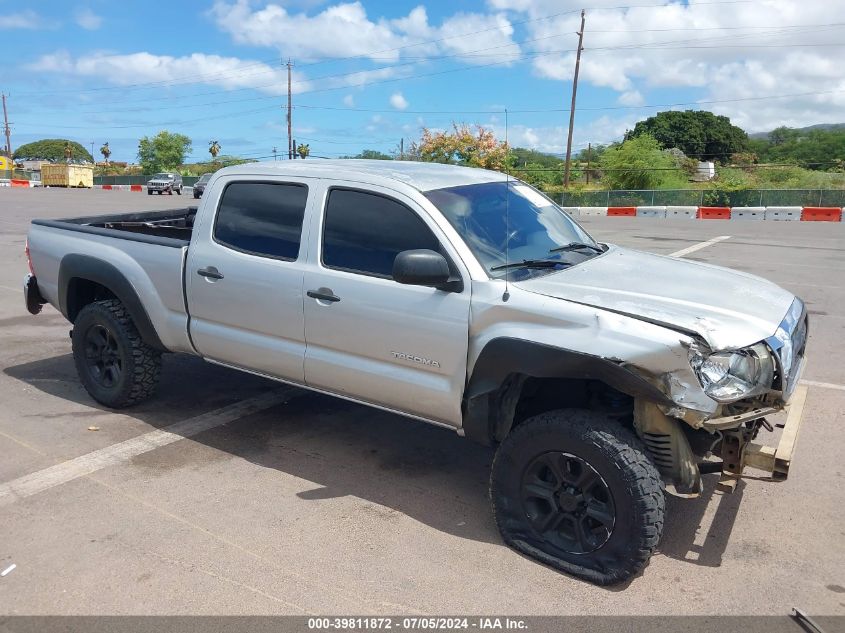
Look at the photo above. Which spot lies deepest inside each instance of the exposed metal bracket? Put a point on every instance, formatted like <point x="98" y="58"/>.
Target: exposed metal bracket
<point x="737" y="454"/>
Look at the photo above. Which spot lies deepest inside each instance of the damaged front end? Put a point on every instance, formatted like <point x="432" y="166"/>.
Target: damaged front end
<point x="726" y="409"/>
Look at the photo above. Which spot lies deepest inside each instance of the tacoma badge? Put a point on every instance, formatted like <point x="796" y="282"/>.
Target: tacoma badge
<point x="415" y="359"/>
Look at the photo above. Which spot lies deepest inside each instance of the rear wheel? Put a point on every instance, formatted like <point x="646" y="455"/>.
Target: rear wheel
<point x="115" y="366"/>
<point x="576" y="491"/>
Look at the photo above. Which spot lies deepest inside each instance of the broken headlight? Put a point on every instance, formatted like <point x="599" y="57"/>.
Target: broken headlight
<point x="734" y="375"/>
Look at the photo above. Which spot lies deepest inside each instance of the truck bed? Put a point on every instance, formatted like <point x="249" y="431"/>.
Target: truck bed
<point x="145" y="251"/>
<point x="161" y="227"/>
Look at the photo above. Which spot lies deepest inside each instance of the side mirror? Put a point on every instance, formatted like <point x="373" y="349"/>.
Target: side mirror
<point x="421" y="267"/>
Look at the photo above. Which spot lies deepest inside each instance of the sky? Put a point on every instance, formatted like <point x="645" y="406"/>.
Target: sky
<point x="368" y="73"/>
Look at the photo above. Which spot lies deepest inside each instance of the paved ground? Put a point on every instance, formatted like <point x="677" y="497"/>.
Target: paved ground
<point x="319" y="506"/>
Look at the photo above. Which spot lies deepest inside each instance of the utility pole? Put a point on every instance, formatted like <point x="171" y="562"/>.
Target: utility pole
<point x="291" y="148"/>
<point x="572" y="107"/>
<point x="589" y="154"/>
<point x="274" y="153"/>
<point x="402" y="148"/>
<point x="93" y="160"/>
<point x="6" y="129"/>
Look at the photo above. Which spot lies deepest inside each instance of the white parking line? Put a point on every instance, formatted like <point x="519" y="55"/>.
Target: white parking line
<point x="122" y="452"/>
<point x="823" y="385"/>
<point x="699" y="246"/>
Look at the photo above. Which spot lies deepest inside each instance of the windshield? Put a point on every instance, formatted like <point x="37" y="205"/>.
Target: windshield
<point x="205" y="178"/>
<point x="162" y="176"/>
<point x="526" y="221"/>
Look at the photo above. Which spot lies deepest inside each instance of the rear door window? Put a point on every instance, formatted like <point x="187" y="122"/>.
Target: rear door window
<point x="262" y="218"/>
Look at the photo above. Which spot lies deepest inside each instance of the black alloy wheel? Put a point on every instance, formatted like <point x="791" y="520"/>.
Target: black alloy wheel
<point x="102" y="356"/>
<point x="568" y="502"/>
<point x="115" y="365"/>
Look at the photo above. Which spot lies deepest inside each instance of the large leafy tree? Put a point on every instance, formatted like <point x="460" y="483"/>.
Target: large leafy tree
<point x="464" y="145"/>
<point x="163" y="151"/>
<point x="698" y="133"/>
<point x="52" y="149"/>
<point x="638" y="163"/>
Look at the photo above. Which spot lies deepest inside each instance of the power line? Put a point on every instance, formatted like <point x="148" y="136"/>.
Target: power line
<point x="458" y="112"/>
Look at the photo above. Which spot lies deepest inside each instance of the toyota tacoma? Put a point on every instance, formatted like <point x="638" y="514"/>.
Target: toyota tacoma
<point x="603" y="377"/>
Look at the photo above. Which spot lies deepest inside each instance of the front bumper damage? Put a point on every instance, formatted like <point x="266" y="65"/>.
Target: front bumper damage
<point x="739" y="452"/>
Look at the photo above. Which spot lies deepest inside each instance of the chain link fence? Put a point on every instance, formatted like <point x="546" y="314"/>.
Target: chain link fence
<point x="705" y="198"/>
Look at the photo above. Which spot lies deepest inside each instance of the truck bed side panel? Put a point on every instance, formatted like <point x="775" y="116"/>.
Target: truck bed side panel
<point x="155" y="272"/>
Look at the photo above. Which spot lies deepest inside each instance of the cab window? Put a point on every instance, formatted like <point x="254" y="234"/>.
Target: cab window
<point x="363" y="232"/>
<point x="262" y="218"/>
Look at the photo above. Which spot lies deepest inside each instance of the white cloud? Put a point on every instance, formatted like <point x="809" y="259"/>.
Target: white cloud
<point x="349" y="101"/>
<point x="23" y="20"/>
<point x="631" y="98"/>
<point x="345" y="30"/>
<point x="717" y="51"/>
<point x="88" y="20"/>
<point x="398" y="101"/>
<point x="135" y="68"/>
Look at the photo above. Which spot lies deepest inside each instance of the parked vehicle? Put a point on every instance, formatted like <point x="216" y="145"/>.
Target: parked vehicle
<point x="199" y="186"/>
<point x="165" y="182"/>
<point x="461" y="297"/>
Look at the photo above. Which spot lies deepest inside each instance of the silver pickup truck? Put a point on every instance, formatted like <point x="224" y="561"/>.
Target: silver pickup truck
<point x="602" y="376"/>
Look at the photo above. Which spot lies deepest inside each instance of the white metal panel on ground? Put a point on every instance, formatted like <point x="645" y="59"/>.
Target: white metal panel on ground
<point x="748" y="213"/>
<point x="582" y="211"/>
<point x="681" y="212"/>
<point x="783" y="213"/>
<point x="651" y="212"/>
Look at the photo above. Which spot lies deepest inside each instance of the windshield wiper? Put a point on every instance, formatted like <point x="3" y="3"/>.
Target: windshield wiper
<point x="532" y="263"/>
<point x="577" y="246"/>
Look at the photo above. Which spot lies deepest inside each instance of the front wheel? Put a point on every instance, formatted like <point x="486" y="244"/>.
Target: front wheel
<point x="577" y="491"/>
<point x="179" y="191"/>
<point x="114" y="364"/>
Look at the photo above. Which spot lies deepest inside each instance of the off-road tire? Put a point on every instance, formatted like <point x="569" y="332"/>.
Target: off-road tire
<point x="621" y="461"/>
<point x="149" y="192"/>
<point x="179" y="191"/>
<point x="140" y="364"/>
<point x="196" y="196"/>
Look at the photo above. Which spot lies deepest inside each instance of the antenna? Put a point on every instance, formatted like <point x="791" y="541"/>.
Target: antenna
<point x="507" y="295"/>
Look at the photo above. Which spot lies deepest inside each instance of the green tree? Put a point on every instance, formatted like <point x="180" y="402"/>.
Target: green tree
<point x="105" y="150"/>
<point x="814" y="149"/>
<point x="698" y="133"/>
<point x="521" y="156"/>
<point x="372" y="154"/>
<point x="213" y="148"/>
<point x="52" y="149"/>
<point x="304" y="150"/>
<point x="637" y="163"/>
<point x="163" y="151"/>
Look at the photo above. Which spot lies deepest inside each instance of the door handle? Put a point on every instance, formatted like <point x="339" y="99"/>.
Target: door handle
<point x="323" y="294"/>
<point x="211" y="272"/>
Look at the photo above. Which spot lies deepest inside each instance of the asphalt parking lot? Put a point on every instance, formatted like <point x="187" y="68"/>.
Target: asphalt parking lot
<point x="312" y="505"/>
